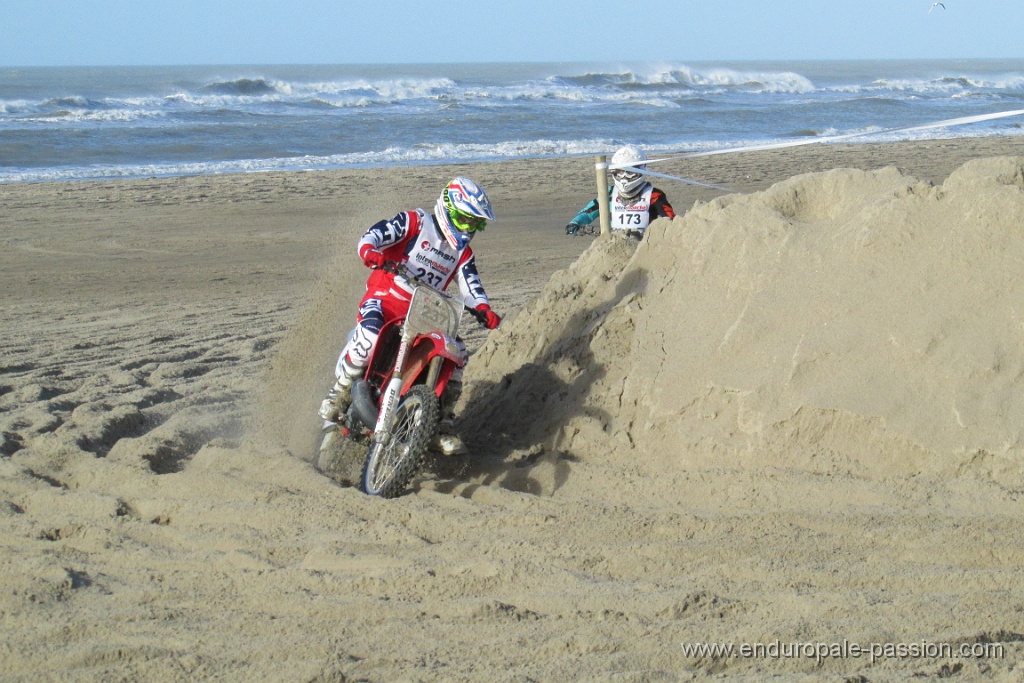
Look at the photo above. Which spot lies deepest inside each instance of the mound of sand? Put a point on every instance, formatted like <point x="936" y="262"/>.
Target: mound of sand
<point x="848" y="321"/>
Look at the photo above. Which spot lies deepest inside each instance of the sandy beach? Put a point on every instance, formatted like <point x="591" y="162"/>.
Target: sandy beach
<point x="791" y="419"/>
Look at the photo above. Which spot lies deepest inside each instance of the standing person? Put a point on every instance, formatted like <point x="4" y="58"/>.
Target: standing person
<point x="634" y="201"/>
<point x="436" y="248"/>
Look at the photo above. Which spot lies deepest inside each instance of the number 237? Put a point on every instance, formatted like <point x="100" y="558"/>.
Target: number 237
<point x="432" y="279"/>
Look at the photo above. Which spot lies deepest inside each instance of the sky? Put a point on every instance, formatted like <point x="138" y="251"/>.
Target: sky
<point x="180" y="32"/>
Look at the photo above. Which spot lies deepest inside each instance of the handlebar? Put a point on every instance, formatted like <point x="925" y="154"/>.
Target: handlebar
<point x="398" y="268"/>
<point x="479" y="316"/>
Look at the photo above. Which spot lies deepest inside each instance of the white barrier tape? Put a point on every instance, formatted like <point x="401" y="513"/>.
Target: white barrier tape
<point x="685" y="180"/>
<point x="835" y="138"/>
<point x="811" y="141"/>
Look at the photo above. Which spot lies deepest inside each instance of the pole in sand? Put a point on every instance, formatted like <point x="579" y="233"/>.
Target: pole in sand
<point x="601" y="164"/>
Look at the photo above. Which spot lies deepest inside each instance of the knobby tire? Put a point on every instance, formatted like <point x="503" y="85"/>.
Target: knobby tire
<point x="391" y="465"/>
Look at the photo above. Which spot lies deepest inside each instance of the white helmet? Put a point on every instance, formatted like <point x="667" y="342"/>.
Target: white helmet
<point x="462" y="209"/>
<point x="626" y="180"/>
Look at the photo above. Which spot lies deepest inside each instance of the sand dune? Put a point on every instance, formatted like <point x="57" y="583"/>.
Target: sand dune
<point x="849" y="321"/>
<point x="790" y="416"/>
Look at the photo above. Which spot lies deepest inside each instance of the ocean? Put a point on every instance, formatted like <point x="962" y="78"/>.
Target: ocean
<point x="131" y="122"/>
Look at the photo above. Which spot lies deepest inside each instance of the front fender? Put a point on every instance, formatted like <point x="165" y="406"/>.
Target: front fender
<point x="430" y="346"/>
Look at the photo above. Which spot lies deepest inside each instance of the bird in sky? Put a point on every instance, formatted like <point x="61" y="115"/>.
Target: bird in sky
<point x="934" y="5"/>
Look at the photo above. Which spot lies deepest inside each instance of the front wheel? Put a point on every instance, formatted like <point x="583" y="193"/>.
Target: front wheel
<point x="393" y="462"/>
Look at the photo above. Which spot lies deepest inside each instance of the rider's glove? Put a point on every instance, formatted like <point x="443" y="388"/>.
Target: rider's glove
<point x="492" y="318"/>
<point x="572" y="229"/>
<point x="373" y="258"/>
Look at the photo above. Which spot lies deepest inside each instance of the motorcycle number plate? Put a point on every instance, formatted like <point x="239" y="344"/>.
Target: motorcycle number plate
<point x="431" y="311"/>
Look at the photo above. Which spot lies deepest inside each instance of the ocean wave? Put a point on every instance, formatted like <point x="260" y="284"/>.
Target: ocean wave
<point x="72" y="101"/>
<point x="685" y="77"/>
<point x="242" y="93"/>
<point x="75" y="116"/>
<point x="1004" y="82"/>
<point x="655" y="86"/>
<point x="74" y="109"/>
<point x="241" y="86"/>
<point x="658" y="85"/>
<point x="390" y="88"/>
<point x="14" y="106"/>
<point x="446" y="153"/>
<point x="951" y="86"/>
<point x="425" y="153"/>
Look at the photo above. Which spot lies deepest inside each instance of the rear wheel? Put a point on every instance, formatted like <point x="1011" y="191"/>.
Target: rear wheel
<point x="393" y="463"/>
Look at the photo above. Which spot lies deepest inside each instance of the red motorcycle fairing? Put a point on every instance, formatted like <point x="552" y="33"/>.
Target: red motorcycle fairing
<point x="382" y="360"/>
<point x="427" y="347"/>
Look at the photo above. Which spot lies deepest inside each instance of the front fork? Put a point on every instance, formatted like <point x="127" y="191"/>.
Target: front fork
<point x="391" y="395"/>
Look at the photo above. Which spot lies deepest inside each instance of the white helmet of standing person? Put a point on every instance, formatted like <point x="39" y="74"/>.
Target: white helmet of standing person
<point x="627" y="180"/>
<point x="462" y="210"/>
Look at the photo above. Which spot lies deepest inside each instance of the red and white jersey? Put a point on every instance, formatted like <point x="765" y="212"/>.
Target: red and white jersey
<point x="412" y="238"/>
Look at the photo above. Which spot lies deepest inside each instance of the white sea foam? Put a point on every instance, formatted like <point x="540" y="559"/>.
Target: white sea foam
<point x="94" y="116"/>
<point x="14" y="106"/>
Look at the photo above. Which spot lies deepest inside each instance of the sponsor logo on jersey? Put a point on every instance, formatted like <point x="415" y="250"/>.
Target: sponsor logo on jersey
<point x="427" y="246"/>
<point x="425" y="260"/>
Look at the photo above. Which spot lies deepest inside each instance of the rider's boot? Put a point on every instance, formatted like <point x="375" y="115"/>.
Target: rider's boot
<point x="448" y="444"/>
<point x="339" y="398"/>
<point x="447" y="441"/>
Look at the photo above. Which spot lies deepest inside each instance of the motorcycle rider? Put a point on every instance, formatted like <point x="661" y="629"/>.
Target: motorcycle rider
<point x="635" y="202"/>
<point x="435" y="248"/>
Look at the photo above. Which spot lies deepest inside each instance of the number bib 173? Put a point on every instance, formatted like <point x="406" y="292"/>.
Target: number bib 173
<point x="636" y="215"/>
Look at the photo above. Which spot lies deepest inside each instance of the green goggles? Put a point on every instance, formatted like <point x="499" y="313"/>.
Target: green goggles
<point x="464" y="222"/>
<point x="467" y="223"/>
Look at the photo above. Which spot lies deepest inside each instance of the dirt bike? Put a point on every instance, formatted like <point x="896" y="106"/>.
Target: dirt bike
<point x="396" y="406"/>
